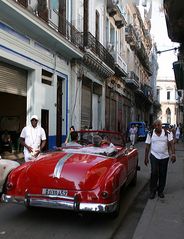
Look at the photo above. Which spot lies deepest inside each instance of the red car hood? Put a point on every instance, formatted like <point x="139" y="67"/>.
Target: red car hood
<point x="68" y="171"/>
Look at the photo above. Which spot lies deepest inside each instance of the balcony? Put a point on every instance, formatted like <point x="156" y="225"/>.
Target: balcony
<point x="132" y="80"/>
<point x="61" y="37"/>
<point x="144" y="94"/>
<point x="118" y="12"/>
<point x="136" y="45"/>
<point x="131" y="37"/>
<point x="143" y="57"/>
<point x="97" y="56"/>
<point x="147" y="90"/>
<point x="120" y="65"/>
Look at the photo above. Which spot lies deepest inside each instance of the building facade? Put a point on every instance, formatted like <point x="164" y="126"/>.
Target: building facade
<point x="168" y="98"/>
<point x="83" y="63"/>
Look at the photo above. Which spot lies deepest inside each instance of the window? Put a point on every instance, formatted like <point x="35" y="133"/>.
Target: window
<point x="47" y="77"/>
<point x="112" y="37"/>
<point x="54" y="5"/>
<point x="168" y="95"/>
<point x="107" y="32"/>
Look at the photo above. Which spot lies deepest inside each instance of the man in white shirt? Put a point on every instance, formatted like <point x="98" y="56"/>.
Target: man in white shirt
<point x="159" y="142"/>
<point x="133" y="132"/>
<point x="33" y="139"/>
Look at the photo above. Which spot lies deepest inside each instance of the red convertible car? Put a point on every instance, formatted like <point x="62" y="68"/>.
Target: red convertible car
<point x="84" y="177"/>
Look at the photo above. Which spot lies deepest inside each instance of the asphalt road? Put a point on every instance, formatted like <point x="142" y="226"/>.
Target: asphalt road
<point x="18" y="222"/>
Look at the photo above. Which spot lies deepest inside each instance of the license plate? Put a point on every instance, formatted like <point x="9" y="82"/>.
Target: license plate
<point x="54" y="192"/>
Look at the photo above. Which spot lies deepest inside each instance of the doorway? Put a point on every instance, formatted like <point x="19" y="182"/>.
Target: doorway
<point x="59" y="112"/>
<point x="45" y="125"/>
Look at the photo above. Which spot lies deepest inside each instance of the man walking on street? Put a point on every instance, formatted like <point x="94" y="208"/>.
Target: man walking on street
<point x="159" y="143"/>
<point x="133" y="132"/>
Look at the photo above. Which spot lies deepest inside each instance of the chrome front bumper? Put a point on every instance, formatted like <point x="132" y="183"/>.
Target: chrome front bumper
<point x="67" y="203"/>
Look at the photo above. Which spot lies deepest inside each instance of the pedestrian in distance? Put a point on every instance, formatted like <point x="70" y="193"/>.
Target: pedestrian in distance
<point x="172" y="131"/>
<point x="160" y="145"/>
<point x="133" y="132"/>
<point x="33" y="139"/>
<point x="68" y="138"/>
<point x="74" y="139"/>
<point x="6" y="142"/>
<point x="177" y="135"/>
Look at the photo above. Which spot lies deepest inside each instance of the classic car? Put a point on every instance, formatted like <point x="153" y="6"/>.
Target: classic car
<point x="81" y="178"/>
<point x="6" y="166"/>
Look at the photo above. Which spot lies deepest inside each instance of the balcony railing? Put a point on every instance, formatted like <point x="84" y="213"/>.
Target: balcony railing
<point x="147" y="90"/>
<point x="91" y="43"/>
<point x="132" y="80"/>
<point x="143" y="57"/>
<point x="120" y="64"/>
<point x="81" y="40"/>
<point x="23" y="2"/>
<point x="131" y="36"/>
<point x="133" y="76"/>
<point x="68" y="31"/>
<point x="136" y="45"/>
<point x="56" y="21"/>
<point x="118" y="12"/>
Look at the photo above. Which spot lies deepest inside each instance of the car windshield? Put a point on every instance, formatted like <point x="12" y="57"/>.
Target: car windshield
<point x="106" y="143"/>
<point x="86" y="137"/>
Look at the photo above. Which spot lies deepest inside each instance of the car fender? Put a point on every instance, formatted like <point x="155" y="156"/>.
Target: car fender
<point x="6" y="166"/>
<point x="117" y="178"/>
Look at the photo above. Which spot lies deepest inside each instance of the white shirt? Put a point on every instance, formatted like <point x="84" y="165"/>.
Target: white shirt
<point x="33" y="136"/>
<point x="133" y="130"/>
<point x="159" y="144"/>
<point x="177" y="130"/>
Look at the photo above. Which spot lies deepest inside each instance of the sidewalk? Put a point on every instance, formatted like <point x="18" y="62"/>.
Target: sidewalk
<point x="164" y="218"/>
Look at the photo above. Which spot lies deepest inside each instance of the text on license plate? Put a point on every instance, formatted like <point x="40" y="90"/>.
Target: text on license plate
<point x="54" y="192"/>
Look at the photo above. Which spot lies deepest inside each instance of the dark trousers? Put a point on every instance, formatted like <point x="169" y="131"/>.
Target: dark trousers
<point x="158" y="174"/>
